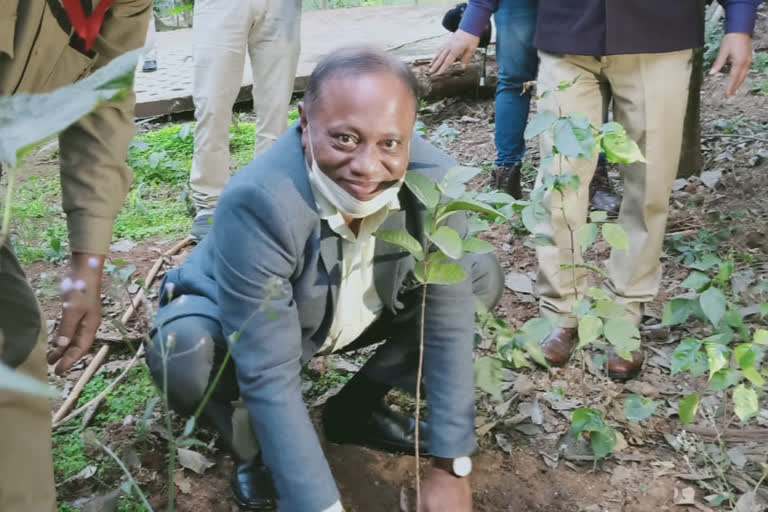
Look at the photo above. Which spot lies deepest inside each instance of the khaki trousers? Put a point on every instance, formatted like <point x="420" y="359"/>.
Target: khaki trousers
<point x="26" y="461"/>
<point x="650" y="93"/>
<point x="223" y="29"/>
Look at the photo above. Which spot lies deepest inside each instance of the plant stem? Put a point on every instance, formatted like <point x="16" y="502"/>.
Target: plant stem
<point x="418" y="388"/>
<point x="7" y="208"/>
<point x="120" y="463"/>
<point x="165" y="354"/>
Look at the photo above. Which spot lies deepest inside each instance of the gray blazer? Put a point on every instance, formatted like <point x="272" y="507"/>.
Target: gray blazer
<point x="267" y="229"/>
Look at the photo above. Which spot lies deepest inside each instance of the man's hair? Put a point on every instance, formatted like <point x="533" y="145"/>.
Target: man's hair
<point x="356" y="61"/>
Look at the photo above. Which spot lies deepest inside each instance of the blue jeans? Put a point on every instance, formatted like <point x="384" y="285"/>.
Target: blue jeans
<point x="518" y="63"/>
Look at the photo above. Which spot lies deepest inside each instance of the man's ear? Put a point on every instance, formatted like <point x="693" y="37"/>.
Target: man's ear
<point x="303" y="119"/>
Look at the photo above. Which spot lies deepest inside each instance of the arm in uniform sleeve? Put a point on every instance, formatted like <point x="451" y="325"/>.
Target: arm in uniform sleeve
<point x="740" y="15"/>
<point x="94" y="176"/>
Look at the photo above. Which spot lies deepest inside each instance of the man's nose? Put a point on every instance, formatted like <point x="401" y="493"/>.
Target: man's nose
<point x="366" y="162"/>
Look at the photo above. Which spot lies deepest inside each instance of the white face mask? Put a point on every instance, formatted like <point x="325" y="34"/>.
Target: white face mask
<point x="343" y="201"/>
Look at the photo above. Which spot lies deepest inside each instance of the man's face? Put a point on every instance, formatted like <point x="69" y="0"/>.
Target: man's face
<point x="361" y="130"/>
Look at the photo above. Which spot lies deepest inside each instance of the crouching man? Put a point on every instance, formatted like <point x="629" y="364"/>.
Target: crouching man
<point x="291" y="270"/>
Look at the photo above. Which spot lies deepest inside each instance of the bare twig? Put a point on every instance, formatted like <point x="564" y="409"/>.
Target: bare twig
<point x="759" y="435"/>
<point x="98" y="398"/>
<point x="104" y="350"/>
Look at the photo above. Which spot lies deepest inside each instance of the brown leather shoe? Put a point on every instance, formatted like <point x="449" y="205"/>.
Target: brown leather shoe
<point x="559" y="345"/>
<point x="619" y="368"/>
<point x="507" y="180"/>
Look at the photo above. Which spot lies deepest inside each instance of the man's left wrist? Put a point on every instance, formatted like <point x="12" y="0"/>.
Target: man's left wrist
<point x="460" y="467"/>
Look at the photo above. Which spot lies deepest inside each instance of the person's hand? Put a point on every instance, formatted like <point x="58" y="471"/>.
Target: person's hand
<point x="444" y="492"/>
<point x="81" y="311"/>
<point x="461" y="46"/>
<point x="735" y="47"/>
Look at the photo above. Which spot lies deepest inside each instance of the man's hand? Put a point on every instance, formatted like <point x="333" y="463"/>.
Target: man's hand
<point x="461" y="46"/>
<point x="735" y="47"/>
<point x="81" y="311"/>
<point x="444" y="492"/>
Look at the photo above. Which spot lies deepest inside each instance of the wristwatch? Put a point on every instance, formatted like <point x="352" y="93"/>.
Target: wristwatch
<point x="458" y="466"/>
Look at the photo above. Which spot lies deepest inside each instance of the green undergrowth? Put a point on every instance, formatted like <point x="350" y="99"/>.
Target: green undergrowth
<point x="71" y="455"/>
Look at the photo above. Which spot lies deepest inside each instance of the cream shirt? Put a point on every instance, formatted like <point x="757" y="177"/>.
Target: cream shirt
<point x="358" y="304"/>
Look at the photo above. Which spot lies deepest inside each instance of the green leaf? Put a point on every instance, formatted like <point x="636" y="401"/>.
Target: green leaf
<point x="597" y="293"/>
<point x="466" y="205"/>
<point x="475" y="224"/>
<point x="753" y="376"/>
<point x="724" y="379"/>
<point x="718" y="357"/>
<point x="590" y="328"/>
<point x="598" y="216"/>
<point x="12" y="380"/>
<point x="29" y="119"/>
<point x="477" y="246"/>
<point x="423" y="188"/>
<point x="603" y="442"/>
<point x="685" y="355"/>
<point x="459" y="175"/>
<point x="706" y="262"/>
<point x="536" y="329"/>
<point x="725" y="272"/>
<point x="638" y="408"/>
<point x="713" y="304"/>
<point x="581" y="308"/>
<point x="402" y="239"/>
<point x="539" y="123"/>
<point x="761" y="337"/>
<point x="763" y="308"/>
<point x="585" y="419"/>
<point x="189" y="426"/>
<point x="587" y="234"/>
<point x="616" y="236"/>
<point x="617" y="146"/>
<point x="449" y="241"/>
<point x="688" y="407"/>
<point x="695" y="281"/>
<point x="609" y="308"/>
<point x="532" y="215"/>
<point x="445" y="273"/>
<point x="623" y="335"/>
<point x="571" y="140"/>
<point x="534" y="350"/>
<point x="745" y="403"/>
<point x="676" y="312"/>
<point x="488" y="375"/>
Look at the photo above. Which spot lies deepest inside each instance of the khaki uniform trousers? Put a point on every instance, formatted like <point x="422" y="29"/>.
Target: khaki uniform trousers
<point x="650" y="94"/>
<point x="35" y="56"/>
<point x="26" y="461"/>
<point x="223" y="30"/>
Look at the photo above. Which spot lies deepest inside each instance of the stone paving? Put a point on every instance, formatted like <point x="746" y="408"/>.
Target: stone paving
<point x="410" y="32"/>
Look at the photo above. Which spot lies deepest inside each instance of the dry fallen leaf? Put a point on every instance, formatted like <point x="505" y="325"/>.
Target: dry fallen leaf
<point x="194" y="461"/>
<point x="687" y="496"/>
<point x="182" y="482"/>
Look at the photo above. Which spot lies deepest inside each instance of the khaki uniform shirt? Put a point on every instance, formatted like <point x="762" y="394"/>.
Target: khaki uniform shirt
<point x="35" y="57"/>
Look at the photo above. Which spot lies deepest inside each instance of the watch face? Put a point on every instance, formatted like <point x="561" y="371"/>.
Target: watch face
<point x="462" y="466"/>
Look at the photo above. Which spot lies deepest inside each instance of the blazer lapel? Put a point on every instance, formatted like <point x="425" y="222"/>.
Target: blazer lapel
<point x="330" y="253"/>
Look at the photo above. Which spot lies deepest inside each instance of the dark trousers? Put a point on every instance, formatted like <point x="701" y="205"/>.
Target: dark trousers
<point x="197" y="349"/>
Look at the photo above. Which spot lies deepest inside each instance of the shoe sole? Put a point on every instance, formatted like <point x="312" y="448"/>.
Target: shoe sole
<point x="242" y="505"/>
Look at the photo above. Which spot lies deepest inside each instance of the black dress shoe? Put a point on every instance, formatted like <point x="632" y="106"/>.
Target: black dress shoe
<point x="252" y="487"/>
<point x="383" y="429"/>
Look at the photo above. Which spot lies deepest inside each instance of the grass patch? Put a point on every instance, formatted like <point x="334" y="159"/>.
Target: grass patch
<point x="39" y="229"/>
<point x="70" y="455"/>
<point x="328" y="380"/>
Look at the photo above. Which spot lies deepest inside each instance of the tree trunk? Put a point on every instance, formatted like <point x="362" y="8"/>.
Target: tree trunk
<point x="691" y="159"/>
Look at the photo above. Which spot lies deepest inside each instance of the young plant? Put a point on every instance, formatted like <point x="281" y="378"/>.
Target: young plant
<point x="602" y="320"/>
<point x="440" y="245"/>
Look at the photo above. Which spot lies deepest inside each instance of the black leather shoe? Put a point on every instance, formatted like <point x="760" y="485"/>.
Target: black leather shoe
<point x="384" y="429"/>
<point x="252" y="487"/>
